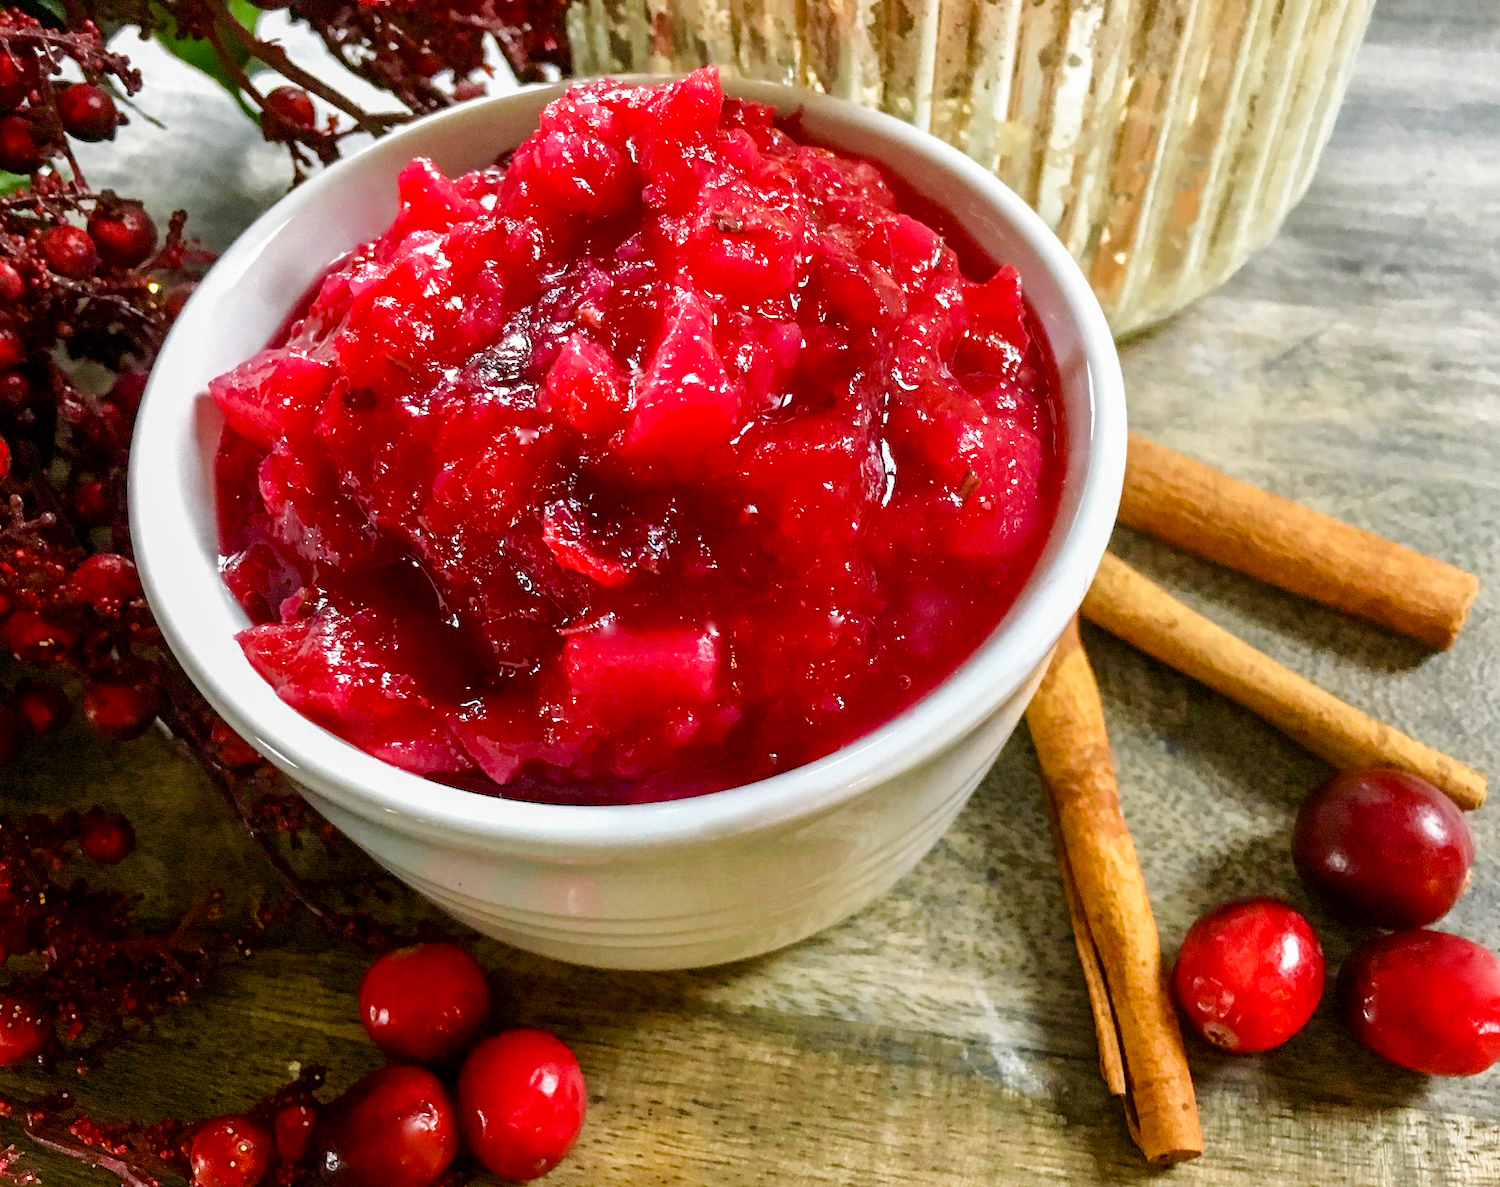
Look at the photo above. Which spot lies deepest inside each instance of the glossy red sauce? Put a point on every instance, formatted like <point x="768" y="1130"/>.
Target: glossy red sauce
<point x="667" y="455"/>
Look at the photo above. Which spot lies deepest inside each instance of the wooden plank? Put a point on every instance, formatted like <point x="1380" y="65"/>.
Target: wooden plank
<point x="942" y="1037"/>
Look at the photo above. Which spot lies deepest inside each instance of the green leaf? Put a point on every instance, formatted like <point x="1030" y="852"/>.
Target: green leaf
<point x="49" y="12"/>
<point x="200" y="55"/>
<point x="11" y="182"/>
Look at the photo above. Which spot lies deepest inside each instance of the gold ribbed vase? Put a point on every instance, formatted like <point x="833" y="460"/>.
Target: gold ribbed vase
<point x="1163" y="140"/>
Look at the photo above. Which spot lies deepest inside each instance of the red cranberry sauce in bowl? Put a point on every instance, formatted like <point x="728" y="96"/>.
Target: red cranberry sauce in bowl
<point x="665" y="455"/>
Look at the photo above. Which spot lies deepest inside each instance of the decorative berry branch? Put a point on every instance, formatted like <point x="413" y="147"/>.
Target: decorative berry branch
<point x="89" y="287"/>
<point x="425" y="55"/>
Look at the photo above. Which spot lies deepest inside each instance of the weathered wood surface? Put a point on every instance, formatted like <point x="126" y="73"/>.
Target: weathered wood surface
<point x="942" y="1037"/>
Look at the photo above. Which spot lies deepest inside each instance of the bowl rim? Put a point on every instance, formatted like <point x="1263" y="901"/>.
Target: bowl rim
<point x="379" y="792"/>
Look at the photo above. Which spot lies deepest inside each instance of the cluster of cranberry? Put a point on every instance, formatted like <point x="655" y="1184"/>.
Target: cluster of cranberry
<point x="1382" y="849"/>
<point x="89" y="603"/>
<point x="520" y="1097"/>
<point x="515" y="1101"/>
<point x="31" y="129"/>
<point x="76" y="932"/>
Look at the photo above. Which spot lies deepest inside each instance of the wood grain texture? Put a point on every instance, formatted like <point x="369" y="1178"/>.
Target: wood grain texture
<point x="943" y="1037"/>
<point x="1131" y="607"/>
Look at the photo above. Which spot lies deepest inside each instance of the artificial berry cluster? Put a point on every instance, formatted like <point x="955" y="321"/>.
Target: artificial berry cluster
<point x="406" y="46"/>
<point x="39" y="111"/>
<point x="425" y="55"/>
<point x="1382" y="849"/>
<point x="80" y="974"/>
<point x="86" y="281"/>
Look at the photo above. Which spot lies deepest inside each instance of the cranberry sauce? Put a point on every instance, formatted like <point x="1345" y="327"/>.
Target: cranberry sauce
<point x="668" y="455"/>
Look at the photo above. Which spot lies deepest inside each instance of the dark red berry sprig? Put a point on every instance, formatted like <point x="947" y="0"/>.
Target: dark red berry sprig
<point x="423" y="52"/>
<point x="95" y="976"/>
<point x="39" y="111"/>
<point x="84" y="277"/>
<point x="425" y="55"/>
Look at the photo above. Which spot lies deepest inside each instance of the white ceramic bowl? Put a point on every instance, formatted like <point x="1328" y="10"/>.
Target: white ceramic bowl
<point x="670" y="885"/>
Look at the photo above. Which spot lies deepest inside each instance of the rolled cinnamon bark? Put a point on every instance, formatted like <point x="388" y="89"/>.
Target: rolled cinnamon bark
<point x="1198" y="509"/>
<point x="1140" y="1044"/>
<point x="1106" y="1030"/>
<point x="1129" y="606"/>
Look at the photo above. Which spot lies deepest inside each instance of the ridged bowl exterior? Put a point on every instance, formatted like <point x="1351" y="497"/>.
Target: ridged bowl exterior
<point x="1163" y="140"/>
<point x="689" y="907"/>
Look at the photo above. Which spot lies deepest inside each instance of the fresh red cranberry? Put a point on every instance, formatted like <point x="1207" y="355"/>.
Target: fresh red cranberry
<point x="1426" y="1000"/>
<point x="106" y="581"/>
<point x="1249" y="975"/>
<point x="12" y="287"/>
<point x="292" y="106"/>
<point x="1383" y="848"/>
<point x="124" y="235"/>
<point x="294" y="1126"/>
<point x="33" y="640"/>
<point x="43" y="708"/>
<point x="12" y="349"/>
<point x="19" y="150"/>
<point x="425" y="1003"/>
<point x="70" y="252"/>
<point x="522" y="1100"/>
<point x="232" y="750"/>
<point x="118" y="711"/>
<point x="394" y="1128"/>
<point x="88" y="112"/>
<point x="4" y="459"/>
<point x="24" y="1029"/>
<point x="230" y="1152"/>
<point x="90" y="499"/>
<point x="106" y="837"/>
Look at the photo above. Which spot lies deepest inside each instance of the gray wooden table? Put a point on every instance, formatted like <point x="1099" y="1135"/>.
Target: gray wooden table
<point x="942" y="1036"/>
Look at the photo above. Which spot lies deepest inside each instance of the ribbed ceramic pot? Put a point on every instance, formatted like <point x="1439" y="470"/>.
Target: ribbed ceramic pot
<point x="1163" y="140"/>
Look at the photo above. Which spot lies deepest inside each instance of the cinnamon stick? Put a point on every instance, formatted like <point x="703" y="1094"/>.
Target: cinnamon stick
<point x="1129" y="606"/>
<point x="1111" y="1059"/>
<point x="1140" y="1044"/>
<point x="1199" y="509"/>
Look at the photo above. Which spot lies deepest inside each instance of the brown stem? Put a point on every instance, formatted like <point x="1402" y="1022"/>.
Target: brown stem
<point x="118" y="1167"/>
<point x="275" y="57"/>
